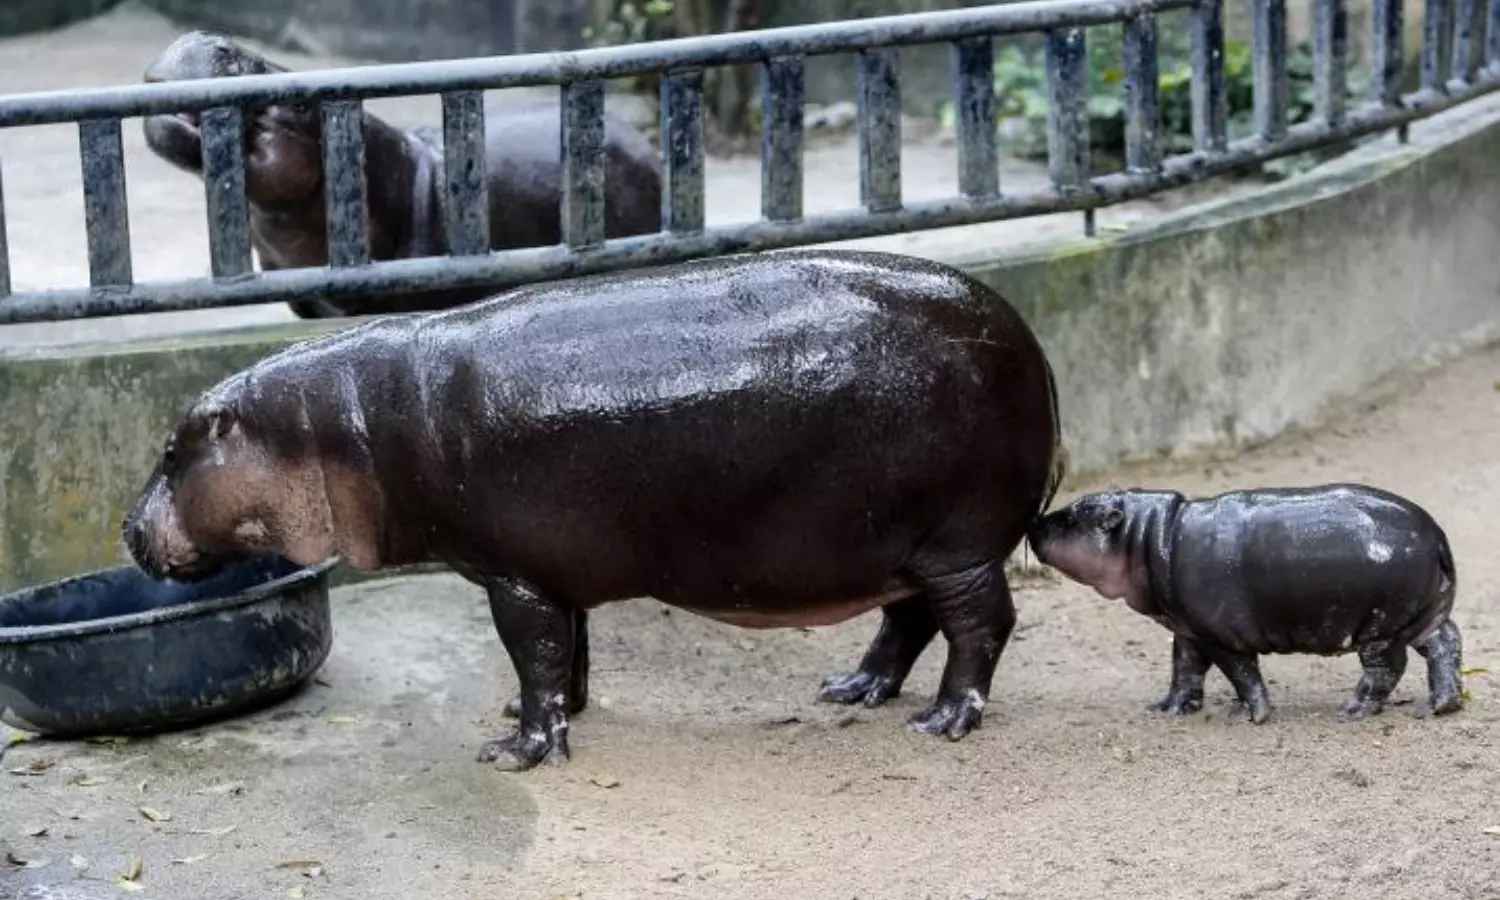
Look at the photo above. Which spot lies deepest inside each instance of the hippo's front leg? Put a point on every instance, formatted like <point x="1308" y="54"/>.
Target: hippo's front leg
<point x="906" y="628"/>
<point x="538" y="634"/>
<point x="1189" y="665"/>
<point x="976" y="614"/>
<point x="1243" y="672"/>
<point x="578" y="683"/>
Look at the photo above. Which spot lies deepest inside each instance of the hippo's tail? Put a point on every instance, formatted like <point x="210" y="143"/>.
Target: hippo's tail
<point x="1059" y="468"/>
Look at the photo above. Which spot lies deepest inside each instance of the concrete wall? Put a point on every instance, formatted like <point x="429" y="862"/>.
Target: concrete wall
<point x="1214" y="328"/>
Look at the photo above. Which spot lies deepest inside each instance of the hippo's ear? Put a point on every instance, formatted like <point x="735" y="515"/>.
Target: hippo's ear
<point x="1112" y="518"/>
<point x="221" y="421"/>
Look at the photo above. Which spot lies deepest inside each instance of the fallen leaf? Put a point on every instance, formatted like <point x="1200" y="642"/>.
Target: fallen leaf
<point x="141" y="787"/>
<point x="296" y="893"/>
<point x="604" y="781"/>
<point x="1473" y="670"/>
<point x="189" y="860"/>
<point x="35" y="767"/>
<point x="156" y="815"/>
<point x="14" y="861"/>
<point x="109" y="739"/>
<point x="229" y="787"/>
<point x="37" y="832"/>
<point x="78" y="862"/>
<point x="1467" y="695"/>
<point x="126" y="884"/>
<point x="135" y="869"/>
<point x="1493" y="829"/>
<point x="745" y="644"/>
<point x="342" y="720"/>
<point x="310" y="867"/>
<point x="214" y="832"/>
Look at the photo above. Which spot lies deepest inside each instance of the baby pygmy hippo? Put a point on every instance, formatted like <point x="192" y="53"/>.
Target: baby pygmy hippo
<point x="1327" y="569"/>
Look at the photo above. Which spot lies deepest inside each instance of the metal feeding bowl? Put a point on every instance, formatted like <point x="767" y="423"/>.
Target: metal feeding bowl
<point x="115" y="652"/>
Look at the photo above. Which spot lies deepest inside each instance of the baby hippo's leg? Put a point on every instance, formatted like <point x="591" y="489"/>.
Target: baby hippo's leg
<point x="1444" y="652"/>
<point x="1189" y="665"/>
<point x="1243" y="672"/>
<point x="1384" y="663"/>
<point x="578" y="683"/>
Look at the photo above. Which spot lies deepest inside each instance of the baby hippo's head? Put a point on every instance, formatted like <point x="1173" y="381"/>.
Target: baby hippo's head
<point x="1100" y="540"/>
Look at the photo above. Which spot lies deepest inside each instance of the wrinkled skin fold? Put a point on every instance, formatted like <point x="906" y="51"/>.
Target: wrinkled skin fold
<point x="1328" y="569"/>
<point x="284" y="178"/>
<point x="785" y="439"/>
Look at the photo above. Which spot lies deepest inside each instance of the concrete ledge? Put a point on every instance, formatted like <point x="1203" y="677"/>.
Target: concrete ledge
<point x="1215" y="328"/>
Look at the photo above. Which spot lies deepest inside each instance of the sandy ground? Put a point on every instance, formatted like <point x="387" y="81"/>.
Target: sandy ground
<point x="44" y="193"/>
<point x="706" y="769"/>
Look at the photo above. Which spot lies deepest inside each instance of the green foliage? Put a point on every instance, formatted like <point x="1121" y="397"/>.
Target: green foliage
<point x="1021" y="94"/>
<point x="632" y="23"/>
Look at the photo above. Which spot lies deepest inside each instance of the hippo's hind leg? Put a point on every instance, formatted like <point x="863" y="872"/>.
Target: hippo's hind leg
<point x="1444" y="653"/>
<point x="538" y="634"/>
<point x="906" y="628"/>
<point x="1384" y="662"/>
<point x="1243" y="672"/>
<point x="1189" y="665"/>
<point x="578" y="683"/>
<point x="974" y="610"/>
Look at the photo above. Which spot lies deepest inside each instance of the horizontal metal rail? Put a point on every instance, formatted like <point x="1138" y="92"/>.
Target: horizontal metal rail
<point x="1460" y="61"/>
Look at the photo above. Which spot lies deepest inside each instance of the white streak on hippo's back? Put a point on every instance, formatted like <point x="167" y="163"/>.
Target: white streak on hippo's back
<point x="1378" y="551"/>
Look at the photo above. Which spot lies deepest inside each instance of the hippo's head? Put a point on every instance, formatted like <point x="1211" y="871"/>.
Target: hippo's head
<point x="1103" y="539"/>
<point x="283" y="159"/>
<point x="225" y="488"/>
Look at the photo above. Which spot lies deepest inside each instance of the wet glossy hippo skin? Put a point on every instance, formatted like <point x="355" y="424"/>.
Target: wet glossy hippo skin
<point x="785" y="439"/>
<point x="1327" y="569"/>
<point x="404" y="172"/>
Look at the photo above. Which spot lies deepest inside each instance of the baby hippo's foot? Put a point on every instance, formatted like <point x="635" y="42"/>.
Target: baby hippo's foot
<point x="1178" y="703"/>
<point x="525" y="747"/>
<point x="1356" y="708"/>
<point x="1437" y="705"/>
<point x="860" y="687"/>
<point x="1444" y="654"/>
<point x="1383" y="664"/>
<point x="1256" y="710"/>
<point x="953" y="717"/>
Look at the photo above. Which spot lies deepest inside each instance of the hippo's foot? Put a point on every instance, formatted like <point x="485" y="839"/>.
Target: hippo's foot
<point x="860" y="687"/>
<point x="1178" y="704"/>
<point x="955" y="718"/>
<point x="1189" y="664"/>
<point x="1384" y="663"/>
<point x="1443" y="652"/>
<point x="525" y="747"/>
<point x="906" y="628"/>
<point x="973" y="607"/>
<point x="1255" y="711"/>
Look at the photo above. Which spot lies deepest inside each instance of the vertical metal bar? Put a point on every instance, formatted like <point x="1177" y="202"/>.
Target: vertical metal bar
<point x="344" y="186"/>
<point x="1210" y="102"/>
<point x="1330" y="51"/>
<point x="682" y="151"/>
<point x="1386" y="52"/>
<point x="223" y="136"/>
<point x="1492" y="38"/>
<point x="879" y="121"/>
<point x="978" y="148"/>
<point x="1142" y="117"/>
<point x="1272" y="89"/>
<point x="466" y="198"/>
<point x="4" y="246"/>
<point x="1067" y="122"/>
<point x="105" y="210"/>
<point x="1437" y="34"/>
<point x="781" y="139"/>
<point x="1468" y="35"/>
<point x="583" y="163"/>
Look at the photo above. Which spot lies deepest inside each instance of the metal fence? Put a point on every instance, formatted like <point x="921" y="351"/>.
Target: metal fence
<point x="1460" y="60"/>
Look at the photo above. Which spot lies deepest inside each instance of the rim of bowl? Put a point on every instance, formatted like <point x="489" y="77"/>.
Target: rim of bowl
<point x="27" y="634"/>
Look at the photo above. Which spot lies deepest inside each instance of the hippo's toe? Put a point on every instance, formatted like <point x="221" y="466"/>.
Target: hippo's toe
<point x="860" y="687"/>
<point x="953" y="717"/>
<point x="1177" y="704"/>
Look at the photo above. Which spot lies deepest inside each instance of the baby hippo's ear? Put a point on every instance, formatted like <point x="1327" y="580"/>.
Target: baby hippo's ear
<point x="221" y="421"/>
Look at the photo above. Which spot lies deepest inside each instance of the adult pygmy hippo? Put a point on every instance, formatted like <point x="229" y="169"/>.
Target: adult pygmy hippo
<point x="404" y="173"/>
<point x="1325" y="570"/>
<point x="785" y="439"/>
